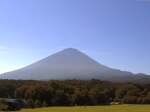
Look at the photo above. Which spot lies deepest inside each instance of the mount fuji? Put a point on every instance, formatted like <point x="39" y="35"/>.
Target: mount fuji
<point x="71" y="63"/>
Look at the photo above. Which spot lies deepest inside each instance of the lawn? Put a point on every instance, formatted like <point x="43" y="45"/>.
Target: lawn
<point x="112" y="108"/>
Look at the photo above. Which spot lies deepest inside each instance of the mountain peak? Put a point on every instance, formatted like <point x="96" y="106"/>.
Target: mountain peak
<point x="71" y="50"/>
<point x="70" y="63"/>
<point x="66" y="64"/>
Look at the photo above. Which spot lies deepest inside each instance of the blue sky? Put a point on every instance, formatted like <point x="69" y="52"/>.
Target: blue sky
<point x="114" y="32"/>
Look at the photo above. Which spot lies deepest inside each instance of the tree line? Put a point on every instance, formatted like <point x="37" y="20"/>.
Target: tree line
<point x="74" y="92"/>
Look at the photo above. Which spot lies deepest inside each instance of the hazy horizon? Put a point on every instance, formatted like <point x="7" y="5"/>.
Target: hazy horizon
<point x="114" y="33"/>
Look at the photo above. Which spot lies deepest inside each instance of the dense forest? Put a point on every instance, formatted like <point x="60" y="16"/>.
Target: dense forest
<point x="74" y="92"/>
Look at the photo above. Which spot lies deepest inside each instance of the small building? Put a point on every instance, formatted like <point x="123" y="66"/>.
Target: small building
<point x="11" y="104"/>
<point x="115" y="103"/>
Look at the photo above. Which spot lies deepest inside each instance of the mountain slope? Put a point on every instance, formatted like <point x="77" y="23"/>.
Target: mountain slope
<point x="70" y="64"/>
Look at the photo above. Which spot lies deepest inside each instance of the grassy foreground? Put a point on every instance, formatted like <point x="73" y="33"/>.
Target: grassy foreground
<point x="112" y="108"/>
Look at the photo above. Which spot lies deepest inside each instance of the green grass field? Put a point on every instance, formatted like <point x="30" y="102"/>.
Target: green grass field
<point x="112" y="108"/>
